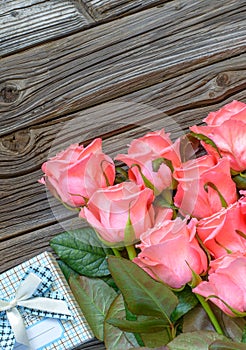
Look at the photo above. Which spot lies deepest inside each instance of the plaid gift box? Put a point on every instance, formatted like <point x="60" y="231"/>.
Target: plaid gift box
<point x="45" y="330"/>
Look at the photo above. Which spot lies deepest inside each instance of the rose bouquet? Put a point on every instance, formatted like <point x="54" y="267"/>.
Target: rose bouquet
<point x="161" y="262"/>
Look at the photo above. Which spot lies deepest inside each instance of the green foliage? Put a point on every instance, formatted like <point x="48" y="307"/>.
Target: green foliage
<point x="226" y="345"/>
<point x="94" y="297"/>
<point x="164" y="202"/>
<point x="233" y="327"/>
<point x="114" y="338"/>
<point x="187" y="301"/>
<point x="129" y="233"/>
<point x="146" y="181"/>
<point x="82" y="251"/>
<point x="196" y="320"/>
<point x="121" y="175"/>
<point x="244" y="334"/>
<point x="67" y="271"/>
<point x="131" y="317"/>
<point x="148" y="325"/>
<point x="143" y="295"/>
<point x="240" y="181"/>
<point x="154" y="340"/>
<point x="147" y="313"/>
<point x="194" y="340"/>
<point x="205" y="139"/>
<point x="110" y="282"/>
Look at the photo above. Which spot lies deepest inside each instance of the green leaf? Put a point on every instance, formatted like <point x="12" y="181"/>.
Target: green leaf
<point x="234" y="311"/>
<point x="121" y="175"/>
<point x="82" y="251"/>
<point x="240" y="181"/>
<point x="94" y="298"/>
<point x="164" y="203"/>
<point x="156" y="163"/>
<point x="194" y="340"/>
<point x="240" y="233"/>
<point x="129" y="233"/>
<point x="67" y="271"/>
<point x="110" y="282"/>
<point x="244" y="335"/>
<point x="155" y="340"/>
<point x="207" y="140"/>
<point x="232" y="326"/>
<point x="187" y="301"/>
<point x="226" y="345"/>
<point x="144" y="348"/>
<point x="131" y="317"/>
<point x="196" y="320"/>
<point x="215" y="188"/>
<point x="114" y="338"/>
<point x="146" y="181"/>
<point x="149" y="325"/>
<point x="143" y="295"/>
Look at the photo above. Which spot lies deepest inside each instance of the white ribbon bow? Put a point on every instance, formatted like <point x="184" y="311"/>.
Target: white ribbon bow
<point x="23" y="298"/>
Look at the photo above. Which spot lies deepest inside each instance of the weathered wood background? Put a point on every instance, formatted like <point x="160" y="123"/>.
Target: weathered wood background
<point x="72" y="70"/>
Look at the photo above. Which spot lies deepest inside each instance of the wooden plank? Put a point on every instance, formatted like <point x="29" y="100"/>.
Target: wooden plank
<point x="209" y="84"/>
<point x="117" y="58"/>
<point x="105" y="9"/>
<point x="24" y="23"/>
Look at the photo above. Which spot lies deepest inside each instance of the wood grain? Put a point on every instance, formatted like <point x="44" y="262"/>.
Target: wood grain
<point x="105" y="9"/>
<point x="205" y="86"/>
<point x="117" y="58"/>
<point x="46" y="20"/>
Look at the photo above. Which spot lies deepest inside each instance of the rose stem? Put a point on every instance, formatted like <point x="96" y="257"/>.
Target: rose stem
<point x="210" y="314"/>
<point x="116" y="252"/>
<point x="131" y="251"/>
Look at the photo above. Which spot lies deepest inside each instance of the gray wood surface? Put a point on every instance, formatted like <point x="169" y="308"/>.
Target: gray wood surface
<point x="117" y="58"/>
<point x="25" y="23"/>
<point x="105" y="9"/>
<point x="76" y="70"/>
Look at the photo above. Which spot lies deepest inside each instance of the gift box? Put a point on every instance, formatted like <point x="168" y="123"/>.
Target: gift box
<point x="38" y="309"/>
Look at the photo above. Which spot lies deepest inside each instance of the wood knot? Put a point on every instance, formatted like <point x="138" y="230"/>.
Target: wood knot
<point x="16" y="142"/>
<point x="14" y="13"/>
<point x="9" y="93"/>
<point x="223" y="79"/>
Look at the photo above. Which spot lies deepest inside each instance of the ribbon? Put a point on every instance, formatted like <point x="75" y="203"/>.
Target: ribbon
<point x="27" y="296"/>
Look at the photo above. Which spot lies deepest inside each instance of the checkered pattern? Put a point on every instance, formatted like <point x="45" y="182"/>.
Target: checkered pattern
<point x="45" y="274"/>
<point x="6" y="335"/>
<point x="54" y="285"/>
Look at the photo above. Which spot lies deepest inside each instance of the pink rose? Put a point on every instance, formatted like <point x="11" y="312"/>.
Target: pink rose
<point x="227" y="280"/>
<point x="160" y="179"/>
<point x="157" y="144"/>
<point x="167" y="250"/>
<point x="193" y="176"/>
<point x="232" y="111"/>
<point x="219" y="231"/>
<point x="76" y="173"/>
<point x="227" y="129"/>
<point x="112" y="209"/>
<point x="146" y="152"/>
